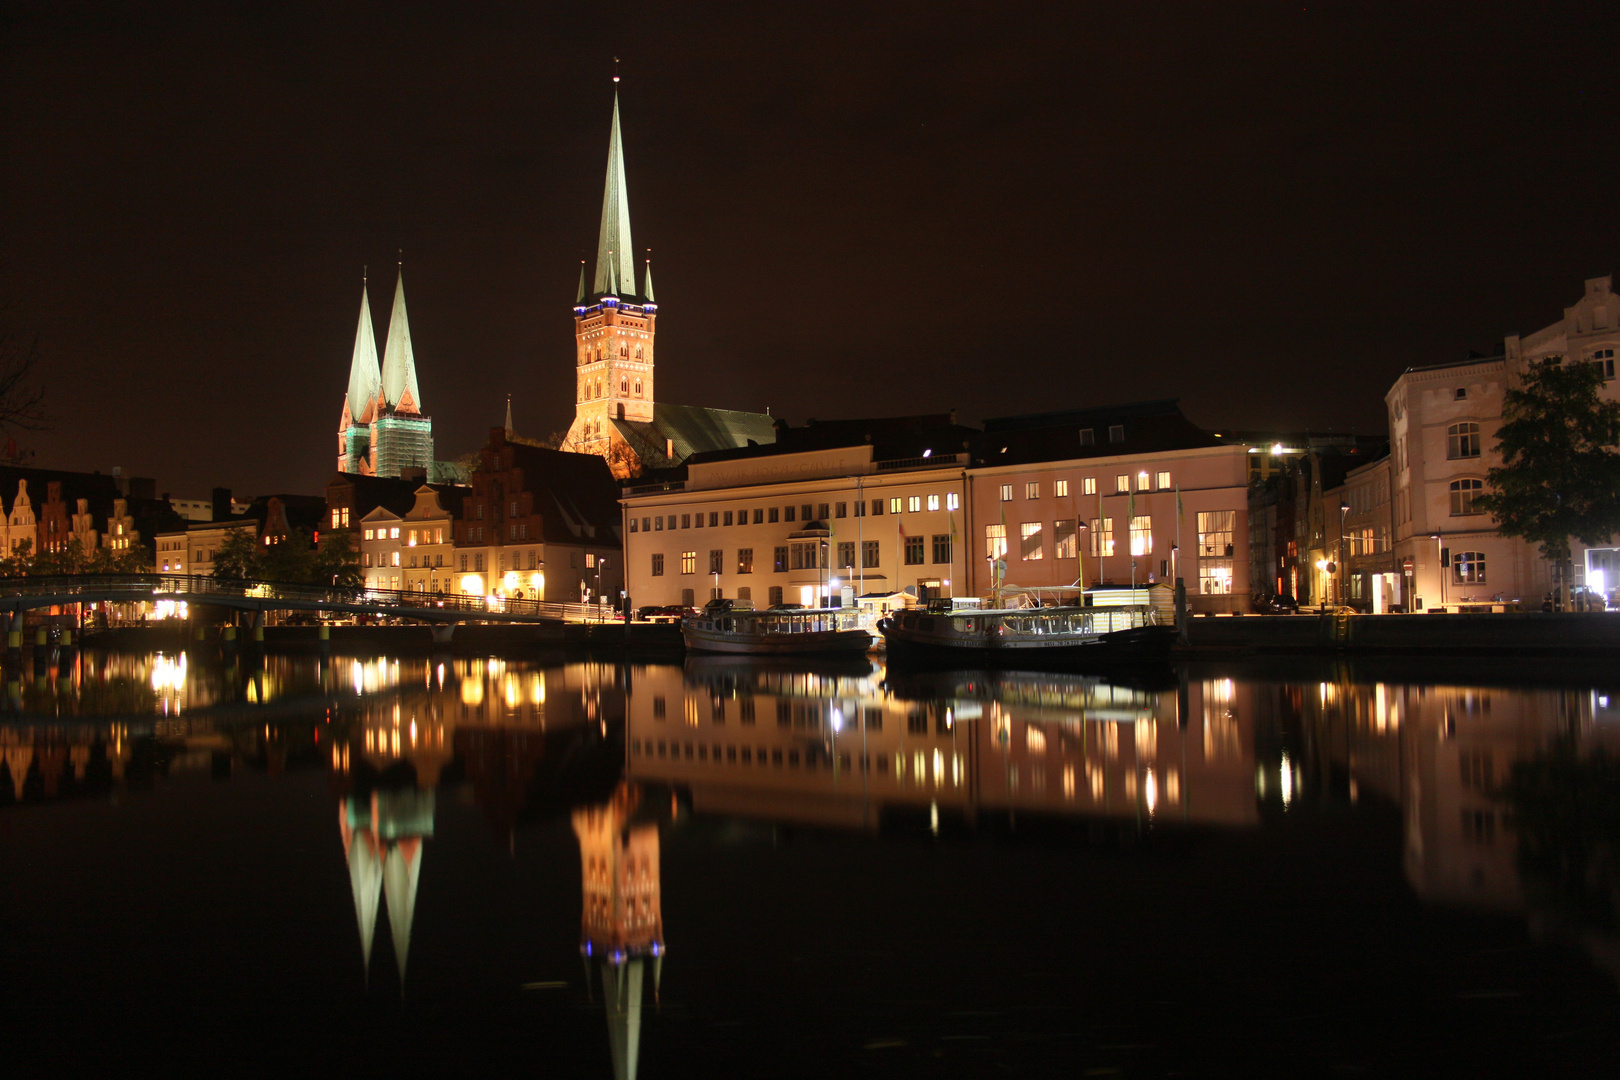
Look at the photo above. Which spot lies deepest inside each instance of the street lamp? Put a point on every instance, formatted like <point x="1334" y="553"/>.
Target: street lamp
<point x="1344" y="508"/>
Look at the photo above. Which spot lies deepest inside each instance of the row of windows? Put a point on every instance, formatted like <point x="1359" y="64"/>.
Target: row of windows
<point x="763" y="515"/>
<point x="1145" y="481"/>
<point x="412" y="537"/>
<point x="814" y="555"/>
<point x="1215" y="534"/>
<point x="392" y="558"/>
<point x="590" y="390"/>
<point x="587" y="356"/>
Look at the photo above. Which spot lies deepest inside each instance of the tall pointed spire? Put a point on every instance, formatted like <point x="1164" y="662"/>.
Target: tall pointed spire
<point x="615" y="256"/>
<point x="365" y="378"/>
<point x="579" y="297"/>
<point x="508" y="415"/>
<point x="646" y="282"/>
<point x="399" y="360"/>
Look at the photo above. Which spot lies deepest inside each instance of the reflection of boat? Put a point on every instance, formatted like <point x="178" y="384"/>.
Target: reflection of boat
<point x="703" y="670"/>
<point x="798" y="632"/>
<point x="1063" y="696"/>
<point x="1025" y="635"/>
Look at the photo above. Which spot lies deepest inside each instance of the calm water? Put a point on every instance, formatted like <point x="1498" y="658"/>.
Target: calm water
<point x="413" y="866"/>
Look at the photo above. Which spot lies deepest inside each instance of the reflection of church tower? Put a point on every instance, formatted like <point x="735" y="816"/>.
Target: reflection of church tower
<point x="614" y="323"/>
<point x="382" y="840"/>
<point x="622" y="919"/>
<point x="382" y="430"/>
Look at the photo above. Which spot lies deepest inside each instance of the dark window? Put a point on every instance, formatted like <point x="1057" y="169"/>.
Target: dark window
<point x="658" y="564"/>
<point x="779" y="564"/>
<point x="716" y="559"/>
<point x="942" y="547"/>
<point x="914" y="550"/>
<point x="745" y="560"/>
<point x="1116" y="433"/>
<point x="869" y="553"/>
<point x="846" y="553"/>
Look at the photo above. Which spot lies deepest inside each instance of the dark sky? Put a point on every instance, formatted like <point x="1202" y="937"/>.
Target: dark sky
<point x="1265" y="210"/>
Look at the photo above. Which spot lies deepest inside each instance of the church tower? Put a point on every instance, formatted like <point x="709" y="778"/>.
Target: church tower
<point x="614" y="325"/>
<point x="383" y="430"/>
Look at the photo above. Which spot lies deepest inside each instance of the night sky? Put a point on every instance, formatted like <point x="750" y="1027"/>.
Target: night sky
<point x="1267" y="211"/>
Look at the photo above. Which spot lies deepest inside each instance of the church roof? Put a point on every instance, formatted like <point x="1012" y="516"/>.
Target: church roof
<point x="365" y="377"/>
<point x="690" y="430"/>
<point x="615" y="252"/>
<point x="399" y="360"/>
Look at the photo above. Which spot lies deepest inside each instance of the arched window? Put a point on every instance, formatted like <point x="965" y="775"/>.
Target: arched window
<point x="1463" y="494"/>
<point x="638" y="388"/>
<point x="624" y="385"/>
<point x="624" y="351"/>
<point x="1462" y="441"/>
<point x="1468" y="568"/>
<point x="599" y="352"/>
<point x="638" y="352"/>
<point x="598" y="387"/>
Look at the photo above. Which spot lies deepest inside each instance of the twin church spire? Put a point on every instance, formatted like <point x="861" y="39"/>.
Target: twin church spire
<point x="383" y="430"/>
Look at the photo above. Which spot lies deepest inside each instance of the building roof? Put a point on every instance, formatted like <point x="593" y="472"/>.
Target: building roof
<point x="365" y="377"/>
<point x="396" y="494"/>
<point x="100" y="489"/>
<point x="690" y="430"/>
<point x="615" y="251"/>
<point x="1148" y="427"/>
<point x="399" y="360"/>
<point x="574" y="494"/>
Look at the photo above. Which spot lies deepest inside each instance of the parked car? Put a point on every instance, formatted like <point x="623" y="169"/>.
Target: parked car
<point x="665" y="613"/>
<point x="1276" y="604"/>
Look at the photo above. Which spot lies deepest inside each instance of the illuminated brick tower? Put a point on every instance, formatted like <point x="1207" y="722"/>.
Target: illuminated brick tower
<point x="614" y="324"/>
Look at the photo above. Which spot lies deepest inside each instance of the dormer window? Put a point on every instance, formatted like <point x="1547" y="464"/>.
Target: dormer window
<point x="1462" y="393"/>
<point x="1116" y="433"/>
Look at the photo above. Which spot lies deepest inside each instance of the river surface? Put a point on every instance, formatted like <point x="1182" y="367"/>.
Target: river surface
<point x="425" y="866"/>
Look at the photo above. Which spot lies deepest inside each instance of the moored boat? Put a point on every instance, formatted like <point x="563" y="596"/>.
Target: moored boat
<point x="777" y="632"/>
<point x="1028" y="635"/>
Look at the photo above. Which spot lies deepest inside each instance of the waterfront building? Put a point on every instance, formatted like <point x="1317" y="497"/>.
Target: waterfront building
<point x="1443" y="421"/>
<point x="540" y="524"/>
<point x="826" y="512"/>
<point x="20" y="522"/>
<point x="382" y="430"/>
<point x="616" y="415"/>
<point x="1111" y="497"/>
<point x="413" y="551"/>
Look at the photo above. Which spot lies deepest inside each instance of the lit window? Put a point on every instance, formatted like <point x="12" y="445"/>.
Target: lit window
<point x="1030" y="535"/>
<point x="1142" y="481"/>
<point x="951" y="501"/>
<point x="896" y="506"/>
<point x="1006" y="493"/>
<point x="1060" y="489"/>
<point x="1102" y="537"/>
<point x="1468" y="567"/>
<point x="1122" y="483"/>
<point x="1142" y="535"/>
<point x="1032" y="490"/>
<point x="995" y="541"/>
<point x="1063" y="539"/>
<point x="393" y="534"/>
<point x="688" y="562"/>
<point x="1088" y="486"/>
<point x="1164" y="481"/>
<point x="933" y="502"/>
<point x="914" y="503"/>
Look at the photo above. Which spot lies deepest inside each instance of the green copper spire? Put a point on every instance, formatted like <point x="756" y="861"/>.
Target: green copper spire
<point x="399" y="359"/>
<point x="646" y="284"/>
<point x="365" y="377"/>
<point x="579" y="297"/>
<point x="615" y="262"/>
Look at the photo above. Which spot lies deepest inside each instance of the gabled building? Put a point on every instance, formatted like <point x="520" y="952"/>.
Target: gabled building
<point x="539" y="524"/>
<point x="616" y="415"/>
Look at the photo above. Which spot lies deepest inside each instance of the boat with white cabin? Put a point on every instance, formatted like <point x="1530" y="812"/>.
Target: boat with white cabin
<point x="1029" y="629"/>
<point x="724" y="628"/>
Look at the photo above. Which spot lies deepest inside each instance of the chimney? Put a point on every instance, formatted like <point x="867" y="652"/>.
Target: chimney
<point x="222" y="504"/>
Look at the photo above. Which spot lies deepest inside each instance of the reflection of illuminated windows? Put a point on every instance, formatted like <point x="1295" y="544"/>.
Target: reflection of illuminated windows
<point x="1147" y="740"/>
<point x="1068" y="781"/>
<point x="1035" y="739"/>
<point x="690" y="711"/>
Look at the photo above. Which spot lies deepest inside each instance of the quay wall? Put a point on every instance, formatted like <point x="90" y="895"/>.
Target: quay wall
<point x="1542" y="633"/>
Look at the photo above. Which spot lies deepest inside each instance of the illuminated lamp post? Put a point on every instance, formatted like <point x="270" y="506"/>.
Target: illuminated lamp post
<point x="1344" y="508"/>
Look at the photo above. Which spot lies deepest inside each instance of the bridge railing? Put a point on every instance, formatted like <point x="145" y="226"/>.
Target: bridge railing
<point x="148" y="587"/>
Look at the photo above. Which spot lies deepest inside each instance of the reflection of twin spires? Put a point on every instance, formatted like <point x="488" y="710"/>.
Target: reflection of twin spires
<point x="382" y="840"/>
<point x="622" y="918"/>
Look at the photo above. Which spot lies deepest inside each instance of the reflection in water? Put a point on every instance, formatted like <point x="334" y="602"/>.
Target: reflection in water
<point x="621" y="913"/>
<point x="613" y="748"/>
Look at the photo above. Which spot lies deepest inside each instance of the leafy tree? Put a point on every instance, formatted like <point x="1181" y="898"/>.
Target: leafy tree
<point x="337" y="561"/>
<point x="1560" y="471"/>
<point x="19" y="560"/>
<point x="70" y="558"/>
<point x="238" y="557"/>
<point x="291" y="559"/>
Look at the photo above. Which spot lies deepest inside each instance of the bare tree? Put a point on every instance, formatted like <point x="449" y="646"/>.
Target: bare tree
<point x="22" y="399"/>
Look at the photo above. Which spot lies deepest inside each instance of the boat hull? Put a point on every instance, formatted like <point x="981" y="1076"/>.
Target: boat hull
<point x="1136" y="644"/>
<point x="822" y="643"/>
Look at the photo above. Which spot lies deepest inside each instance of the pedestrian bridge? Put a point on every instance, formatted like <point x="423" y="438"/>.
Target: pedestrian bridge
<point x="18" y="595"/>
